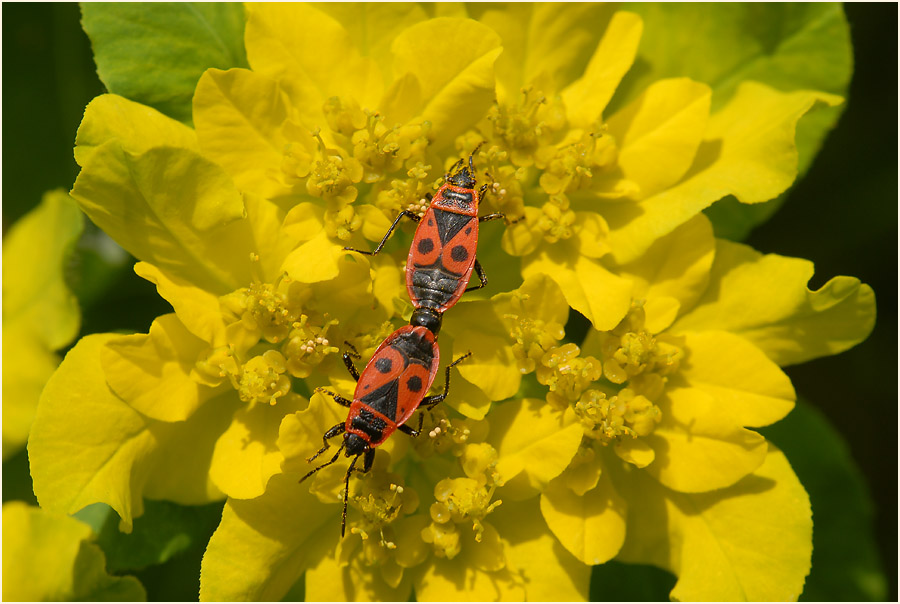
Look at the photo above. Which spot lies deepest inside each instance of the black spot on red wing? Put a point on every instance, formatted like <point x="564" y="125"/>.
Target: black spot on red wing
<point x="383" y="365"/>
<point x="414" y="383"/>
<point x="430" y="222"/>
<point x="459" y="253"/>
<point x="426" y="245"/>
<point x="468" y="230"/>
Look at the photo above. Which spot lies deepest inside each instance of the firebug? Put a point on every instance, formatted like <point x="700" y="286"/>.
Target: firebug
<point x="391" y="387"/>
<point x="442" y="255"/>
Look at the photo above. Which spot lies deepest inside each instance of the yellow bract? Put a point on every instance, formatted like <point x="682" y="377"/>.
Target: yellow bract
<point x="40" y="314"/>
<point x="634" y="441"/>
<point x="49" y="557"/>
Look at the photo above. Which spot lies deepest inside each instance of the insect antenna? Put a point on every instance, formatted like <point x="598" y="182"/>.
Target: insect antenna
<point x="327" y="463"/>
<point x="347" y="494"/>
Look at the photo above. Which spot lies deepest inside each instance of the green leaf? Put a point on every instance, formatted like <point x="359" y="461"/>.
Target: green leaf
<point x="165" y="529"/>
<point x="788" y="46"/>
<point x="49" y="556"/>
<point x="845" y="564"/>
<point x="155" y="53"/>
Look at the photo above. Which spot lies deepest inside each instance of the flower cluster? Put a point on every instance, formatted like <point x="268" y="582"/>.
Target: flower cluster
<point x="551" y="454"/>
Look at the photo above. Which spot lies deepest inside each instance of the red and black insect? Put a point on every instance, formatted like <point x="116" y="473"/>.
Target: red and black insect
<point x="442" y="255"/>
<point x="391" y="387"/>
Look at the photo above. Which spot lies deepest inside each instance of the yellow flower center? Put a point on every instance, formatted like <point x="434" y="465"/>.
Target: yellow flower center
<point x="343" y="117"/>
<point x="216" y="364"/>
<point x="271" y="308"/>
<point x="629" y="350"/>
<point x="342" y="223"/>
<point x="556" y="219"/>
<point x="458" y="501"/>
<point x="625" y="414"/>
<point x="381" y="501"/>
<point x="406" y="194"/>
<point x="524" y="127"/>
<point x="567" y="374"/>
<point x="571" y="167"/>
<point x="533" y="338"/>
<point x="307" y="346"/>
<point x="262" y="378"/>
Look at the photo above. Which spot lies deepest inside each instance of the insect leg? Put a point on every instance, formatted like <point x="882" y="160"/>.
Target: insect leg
<point x="407" y="213"/>
<point x="481" y="277"/>
<point x="347" y="494"/>
<point x="340" y="400"/>
<point x="431" y="401"/>
<point x="348" y="361"/>
<point x="332" y="432"/>
<point x="327" y="463"/>
<point x="407" y="430"/>
<point x="494" y="216"/>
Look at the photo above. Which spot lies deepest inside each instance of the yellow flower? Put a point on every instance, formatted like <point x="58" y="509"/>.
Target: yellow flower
<point x="667" y="463"/>
<point x="342" y="122"/>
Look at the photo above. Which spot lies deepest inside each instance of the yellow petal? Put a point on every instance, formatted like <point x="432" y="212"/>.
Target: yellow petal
<point x="268" y="241"/>
<point x="313" y="62"/>
<point x="468" y="399"/>
<point x="748" y="151"/>
<point x="332" y="581"/>
<point x="375" y="223"/>
<point x="196" y="308"/>
<point x="25" y="372"/>
<point x="739" y="376"/>
<point x="35" y="295"/>
<point x="152" y="372"/>
<point x="300" y="433"/>
<point x="589" y="287"/>
<point x="456" y="79"/>
<point x="373" y="26"/>
<point x="304" y="221"/>
<point x="519" y="239"/>
<point x="238" y="116"/>
<point x="314" y="261"/>
<point x="590" y="526"/>
<point x="592" y="234"/>
<point x="700" y="445"/>
<point x="88" y="446"/>
<point x="49" y="557"/>
<point x="475" y="327"/>
<point x="263" y="545"/>
<point x="544" y="43"/>
<point x="673" y="273"/>
<point x="456" y="580"/>
<point x="136" y="127"/>
<point x="550" y="573"/>
<point x="246" y="455"/>
<point x="751" y="541"/>
<point x="765" y="299"/>
<point x="659" y="132"/>
<point x="531" y="437"/>
<point x="586" y="98"/>
<point x="170" y="207"/>
<point x="635" y="451"/>
<point x="40" y="314"/>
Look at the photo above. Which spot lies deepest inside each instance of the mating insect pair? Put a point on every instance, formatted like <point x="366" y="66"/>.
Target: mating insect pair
<point x="397" y="378"/>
